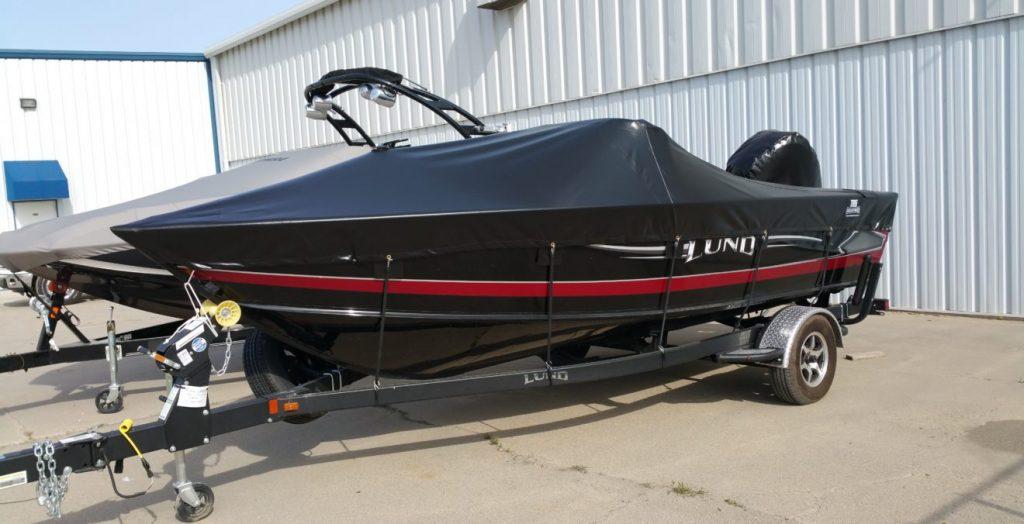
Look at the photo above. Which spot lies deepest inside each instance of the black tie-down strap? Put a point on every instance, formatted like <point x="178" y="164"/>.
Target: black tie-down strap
<point x="748" y="292"/>
<point x="550" y="305"/>
<point x="381" y="325"/>
<point x="662" y="338"/>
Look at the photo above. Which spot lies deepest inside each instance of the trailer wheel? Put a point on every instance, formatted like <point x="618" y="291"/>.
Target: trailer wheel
<point x="42" y="288"/>
<point x="270" y="370"/>
<point x="187" y="513"/>
<point x="812" y="364"/>
<point x="107" y="407"/>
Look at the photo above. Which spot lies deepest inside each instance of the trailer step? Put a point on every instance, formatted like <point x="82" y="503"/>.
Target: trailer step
<point x="751" y="355"/>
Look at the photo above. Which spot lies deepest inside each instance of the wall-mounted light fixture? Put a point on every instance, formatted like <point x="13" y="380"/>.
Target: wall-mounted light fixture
<point x="28" y="104"/>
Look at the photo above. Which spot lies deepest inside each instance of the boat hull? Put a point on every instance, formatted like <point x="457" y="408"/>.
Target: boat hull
<point x="452" y="313"/>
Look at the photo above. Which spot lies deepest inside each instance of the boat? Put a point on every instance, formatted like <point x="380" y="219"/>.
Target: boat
<point x="102" y="265"/>
<point x="482" y="251"/>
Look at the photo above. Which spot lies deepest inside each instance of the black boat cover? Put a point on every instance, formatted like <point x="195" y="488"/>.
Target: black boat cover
<point x="596" y="181"/>
<point x="784" y="157"/>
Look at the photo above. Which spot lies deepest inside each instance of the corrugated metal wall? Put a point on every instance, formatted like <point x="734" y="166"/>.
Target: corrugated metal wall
<point x="543" y="52"/>
<point x="120" y="129"/>
<point x="935" y="116"/>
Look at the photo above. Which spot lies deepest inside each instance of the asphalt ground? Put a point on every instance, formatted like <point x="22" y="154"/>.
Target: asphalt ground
<point x="931" y="432"/>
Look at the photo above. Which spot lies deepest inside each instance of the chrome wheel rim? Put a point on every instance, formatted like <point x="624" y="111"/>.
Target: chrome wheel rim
<point x="814" y="359"/>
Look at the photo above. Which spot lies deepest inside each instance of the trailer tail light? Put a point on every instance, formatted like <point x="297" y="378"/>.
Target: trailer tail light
<point x="275" y="406"/>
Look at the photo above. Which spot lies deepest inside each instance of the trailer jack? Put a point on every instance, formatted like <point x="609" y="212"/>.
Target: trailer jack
<point x="111" y="400"/>
<point x="194" y="500"/>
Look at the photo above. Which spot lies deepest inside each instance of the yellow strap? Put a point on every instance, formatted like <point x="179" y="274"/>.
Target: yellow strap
<point x="124" y="428"/>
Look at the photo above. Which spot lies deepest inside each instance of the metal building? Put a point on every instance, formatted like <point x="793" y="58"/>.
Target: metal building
<point x="82" y="130"/>
<point x="922" y="97"/>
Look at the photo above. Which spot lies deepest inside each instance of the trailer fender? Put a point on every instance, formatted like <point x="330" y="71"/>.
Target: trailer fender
<point x="787" y="323"/>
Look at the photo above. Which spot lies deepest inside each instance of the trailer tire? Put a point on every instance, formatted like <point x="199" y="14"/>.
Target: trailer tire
<point x="266" y="371"/>
<point x="811" y="368"/>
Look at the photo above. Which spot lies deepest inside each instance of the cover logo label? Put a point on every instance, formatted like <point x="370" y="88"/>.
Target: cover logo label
<point x="853" y="210"/>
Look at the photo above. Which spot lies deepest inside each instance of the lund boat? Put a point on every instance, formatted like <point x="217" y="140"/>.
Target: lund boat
<point x="482" y="251"/>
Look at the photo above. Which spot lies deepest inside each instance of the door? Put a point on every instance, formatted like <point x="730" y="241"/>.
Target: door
<point x="32" y="211"/>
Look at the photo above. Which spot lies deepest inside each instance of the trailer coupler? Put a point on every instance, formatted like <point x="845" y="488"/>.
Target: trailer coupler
<point x="184" y="423"/>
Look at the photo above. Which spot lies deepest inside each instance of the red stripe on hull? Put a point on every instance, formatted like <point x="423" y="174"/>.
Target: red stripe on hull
<point x="534" y="289"/>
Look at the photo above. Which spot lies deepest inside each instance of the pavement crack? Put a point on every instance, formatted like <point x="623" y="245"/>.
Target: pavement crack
<point x="406" y="416"/>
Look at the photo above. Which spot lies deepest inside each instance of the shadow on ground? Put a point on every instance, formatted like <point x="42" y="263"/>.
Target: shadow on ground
<point x="284" y="446"/>
<point x="999" y="435"/>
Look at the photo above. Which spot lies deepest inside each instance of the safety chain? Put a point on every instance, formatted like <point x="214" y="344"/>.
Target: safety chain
<point x="193" y="299"/>
<point x="51" y="488"/>
<point x="227" y="355"/>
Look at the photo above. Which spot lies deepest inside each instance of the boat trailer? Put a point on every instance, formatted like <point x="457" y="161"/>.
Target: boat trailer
<point x="112" y="347"/>
<point x="186" y="419"/>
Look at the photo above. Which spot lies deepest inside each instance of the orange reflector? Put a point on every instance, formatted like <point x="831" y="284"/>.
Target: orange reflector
<point x="291" y="406"/>
<point x="272" y="406"/>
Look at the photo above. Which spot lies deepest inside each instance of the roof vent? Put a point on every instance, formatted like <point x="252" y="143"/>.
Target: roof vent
<point x="498" y="5"/>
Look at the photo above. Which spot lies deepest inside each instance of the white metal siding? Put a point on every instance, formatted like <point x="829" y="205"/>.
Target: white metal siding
<point x="935" y="116"/>
<point x="120" y="129"/>
<point x="545" y="51"/>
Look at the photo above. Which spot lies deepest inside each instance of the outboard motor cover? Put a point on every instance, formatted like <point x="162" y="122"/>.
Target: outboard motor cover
<point x="783" y="157"/>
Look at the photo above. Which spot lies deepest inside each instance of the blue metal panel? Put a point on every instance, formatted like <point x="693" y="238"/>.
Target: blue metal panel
<point x="35" y="180"/>
<point x="213" y="116"/>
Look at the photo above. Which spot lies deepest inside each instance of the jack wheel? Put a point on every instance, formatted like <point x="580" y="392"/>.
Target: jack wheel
<point x="187" y="513"/>
<point x="812" y="364"/>
<point x="105" y="407"/>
